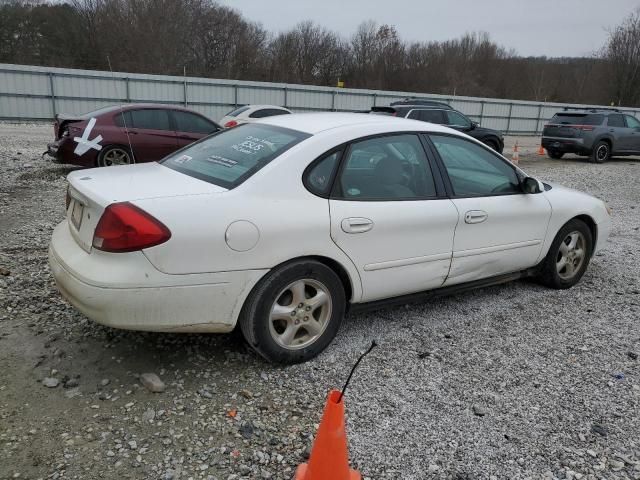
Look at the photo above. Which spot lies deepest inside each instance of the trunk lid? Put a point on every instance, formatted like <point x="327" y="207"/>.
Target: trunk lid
<point x="91" y="191"/>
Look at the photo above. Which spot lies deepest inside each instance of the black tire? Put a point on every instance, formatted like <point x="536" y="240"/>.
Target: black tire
<point x="260" y="330"/>
<point x="556" y="155"/>
<point x="492" y="144"/>
<point x="601" y="152"/>
<point x="106" y="152"/>
<point x="550" y="273"/>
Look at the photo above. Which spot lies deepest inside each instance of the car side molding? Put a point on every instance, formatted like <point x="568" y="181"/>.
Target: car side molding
<point x="420" y="297"/>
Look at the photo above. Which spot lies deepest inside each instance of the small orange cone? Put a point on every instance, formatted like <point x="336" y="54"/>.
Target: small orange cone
<point x="541" y="151"/>
<point x="329" y="458"/>
<point x="515" y="156"/>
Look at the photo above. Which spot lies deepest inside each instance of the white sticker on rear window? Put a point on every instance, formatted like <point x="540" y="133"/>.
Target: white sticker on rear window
<point x="227" y="162"/>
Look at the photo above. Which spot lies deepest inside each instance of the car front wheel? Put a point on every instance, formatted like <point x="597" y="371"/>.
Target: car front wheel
<point x="294" y="312"/>
<point x="568" y="256"/>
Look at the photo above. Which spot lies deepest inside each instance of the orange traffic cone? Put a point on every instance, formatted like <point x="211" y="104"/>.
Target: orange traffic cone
<point x="541" y="151"/>
<point x="515" y="156"/>
<point x="329" y="458"/>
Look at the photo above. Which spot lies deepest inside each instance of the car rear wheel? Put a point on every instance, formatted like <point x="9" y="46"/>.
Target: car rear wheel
<point x="555" y="154"/>
<point x="568" y="256"/>
<point x="294" y="312"/>
<point x="601" y="152"/>
<point x="114" y="155"/>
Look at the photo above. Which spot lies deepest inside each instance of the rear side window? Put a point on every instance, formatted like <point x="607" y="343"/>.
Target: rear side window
<point x="457" y="119"/>
<point x="150" y="119"/>
<point x="577" y="119"/>
<point x="615" y="120"/>
<point x="318" y="178"/>
<point x="268" y="112"/>
<point x="432" y="116"/>
<point x="231" y="156"/>
<point x="237" y="111"/>
<point x="190" y="122"/>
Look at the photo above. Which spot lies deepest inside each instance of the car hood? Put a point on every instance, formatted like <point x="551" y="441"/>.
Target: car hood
<point x="136" y="182"/>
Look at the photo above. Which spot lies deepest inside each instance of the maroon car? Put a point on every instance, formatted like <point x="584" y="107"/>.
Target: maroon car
<point x="131" y="133"/>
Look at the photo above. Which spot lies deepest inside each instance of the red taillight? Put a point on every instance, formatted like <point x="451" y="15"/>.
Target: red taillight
<point x="585" y="128"/>
<point x="230" y="123"/>
<point x="124" y="227"/>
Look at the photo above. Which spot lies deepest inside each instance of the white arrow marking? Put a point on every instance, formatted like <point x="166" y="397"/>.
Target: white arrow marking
<point x="84" y="144"/>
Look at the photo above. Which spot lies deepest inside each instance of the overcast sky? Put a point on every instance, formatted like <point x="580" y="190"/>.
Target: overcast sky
<point x="531" y="27"/>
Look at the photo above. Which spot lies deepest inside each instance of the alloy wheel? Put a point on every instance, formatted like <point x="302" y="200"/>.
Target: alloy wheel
<point x="571" y="255"/>
<point x="602" y="152"/>
<point x="116" y="156"/>
<point x="300" y="314"/>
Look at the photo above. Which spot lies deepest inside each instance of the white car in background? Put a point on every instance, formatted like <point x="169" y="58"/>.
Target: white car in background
<point x="284" y="225"/>
<point x="251" y="113"/>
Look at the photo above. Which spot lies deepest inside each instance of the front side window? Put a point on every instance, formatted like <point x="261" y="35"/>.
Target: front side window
<point x="150" y="119"/>
<point x="457" y="119"/>
<point x="231" y="156"/>
<point x="473" y="170"/>
<point x="192" y="123"/>
<point x="632" y="122"/>
<point x="394" y="167"/>
<point x="615" y="120"/>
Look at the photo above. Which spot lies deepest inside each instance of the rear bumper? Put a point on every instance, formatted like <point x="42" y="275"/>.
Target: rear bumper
<point x="126" y="291"/>
<point x="62" y="151"/>
<point x="566" y="145"/>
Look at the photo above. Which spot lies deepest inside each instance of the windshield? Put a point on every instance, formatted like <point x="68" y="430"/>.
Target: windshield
<point x="231" y="156"/>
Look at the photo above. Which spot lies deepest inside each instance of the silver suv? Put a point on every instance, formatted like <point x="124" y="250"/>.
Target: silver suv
<point x="597" y="133"/>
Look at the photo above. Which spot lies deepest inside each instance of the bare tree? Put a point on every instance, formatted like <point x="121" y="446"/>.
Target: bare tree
<point x="623" y="54"/>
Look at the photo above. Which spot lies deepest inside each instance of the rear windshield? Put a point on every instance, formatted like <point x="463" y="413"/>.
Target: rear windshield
<point x="230" y="157"/>
<point x="577" y="119"/>
<point x="237" y="111"/>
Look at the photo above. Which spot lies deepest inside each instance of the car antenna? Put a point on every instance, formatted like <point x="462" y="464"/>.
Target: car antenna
<point x="373" y="344"/>
<point x="124" y="120"/>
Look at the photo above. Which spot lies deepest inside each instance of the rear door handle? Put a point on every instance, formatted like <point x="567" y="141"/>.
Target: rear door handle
<point x="475" y="216"/>
<point x="356" y="225"/>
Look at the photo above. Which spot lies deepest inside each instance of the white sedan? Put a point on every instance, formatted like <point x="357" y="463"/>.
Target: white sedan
<point x="251" y="113"/>
<point x="283" y="225"/>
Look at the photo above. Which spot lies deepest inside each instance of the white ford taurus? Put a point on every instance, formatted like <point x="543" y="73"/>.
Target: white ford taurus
<point x="283" y="225"/>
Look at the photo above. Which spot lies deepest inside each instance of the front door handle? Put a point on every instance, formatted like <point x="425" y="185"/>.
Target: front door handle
<point x="356" y="225"/>
<point x="475" y="216"/>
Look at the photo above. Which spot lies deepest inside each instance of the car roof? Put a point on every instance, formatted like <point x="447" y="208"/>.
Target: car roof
<point x="133" y="106"/>
<point x="318" y="122"/>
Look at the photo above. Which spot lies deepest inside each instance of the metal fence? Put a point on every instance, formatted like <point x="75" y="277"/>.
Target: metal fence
<point x="32" y="93"/>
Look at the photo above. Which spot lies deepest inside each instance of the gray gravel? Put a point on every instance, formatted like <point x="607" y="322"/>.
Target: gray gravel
<point x="514" y="381"/>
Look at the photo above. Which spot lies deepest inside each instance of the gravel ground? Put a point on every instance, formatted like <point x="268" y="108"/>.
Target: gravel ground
<point x="514" y="381"/>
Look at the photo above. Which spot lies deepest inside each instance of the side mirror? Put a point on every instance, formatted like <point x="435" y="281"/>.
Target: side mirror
<point x="474" y="125"/>
<point x="532" y="185"/>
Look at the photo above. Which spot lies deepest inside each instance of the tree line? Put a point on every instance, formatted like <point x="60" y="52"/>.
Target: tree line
<point x="204" y="38"/>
